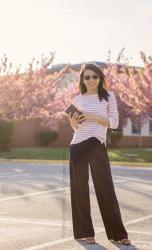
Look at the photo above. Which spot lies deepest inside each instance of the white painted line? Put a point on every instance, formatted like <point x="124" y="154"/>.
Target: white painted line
<point x="14" y="175"/>
<point x="49" y="244"/>
<point x="117" y="181"/>
<point x="53" y="243"/>
<point x="91" y="184"/>
<point x="144" y="242"/>
<point x="50" y="191"/>
<point x="58" y="223"/>
<point x="19" y="170"/>
<point x="139" y="232"/>
<point x="34" y="194"/>
<point x="135" y="179"/>
<point x="43" y="192"/>
<point x="36" y="222"/>
<point x="138" y="219"/>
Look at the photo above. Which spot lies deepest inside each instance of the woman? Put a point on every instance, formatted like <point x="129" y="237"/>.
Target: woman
<point x="88" y="146"/>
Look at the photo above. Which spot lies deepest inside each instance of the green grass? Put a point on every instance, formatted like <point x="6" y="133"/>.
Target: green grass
<point x="130" y="155"/>
<point x="45" y="153"/>
<point x="50" y="153"/>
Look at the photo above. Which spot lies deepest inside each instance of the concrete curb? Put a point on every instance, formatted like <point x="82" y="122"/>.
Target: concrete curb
<point x="113" y="163"/>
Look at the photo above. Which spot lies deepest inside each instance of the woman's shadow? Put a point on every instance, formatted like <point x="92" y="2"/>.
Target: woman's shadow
<point x="98" y="246"/>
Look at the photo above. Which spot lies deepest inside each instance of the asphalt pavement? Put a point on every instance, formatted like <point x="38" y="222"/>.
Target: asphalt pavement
<point x="35" y="207"/>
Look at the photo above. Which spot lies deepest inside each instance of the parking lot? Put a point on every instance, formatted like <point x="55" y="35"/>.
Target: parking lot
<point x="35" y="208"/>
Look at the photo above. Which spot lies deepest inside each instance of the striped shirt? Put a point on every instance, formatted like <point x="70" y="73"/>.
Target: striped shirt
<point x="91" y="104"/>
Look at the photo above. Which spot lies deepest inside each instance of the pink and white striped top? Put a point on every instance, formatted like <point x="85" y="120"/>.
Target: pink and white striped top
<point x="91" y="104"/>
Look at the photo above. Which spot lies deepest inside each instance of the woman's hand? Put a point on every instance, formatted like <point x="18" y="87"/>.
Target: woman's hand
<point x="90" y="117"/>
<point x="75" y="119"/>
<point x="98" y="119"/>
<point x="87" y="117"/>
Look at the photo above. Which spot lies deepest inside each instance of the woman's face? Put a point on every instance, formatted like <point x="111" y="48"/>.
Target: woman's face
<point x="91" y="79"/>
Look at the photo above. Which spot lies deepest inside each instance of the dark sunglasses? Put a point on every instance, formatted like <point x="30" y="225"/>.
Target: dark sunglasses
<point x="95" y="77"/>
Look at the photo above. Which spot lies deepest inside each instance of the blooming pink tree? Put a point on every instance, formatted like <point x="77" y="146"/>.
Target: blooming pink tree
<point x="32" y="94"/>
<point x="133" y="85"/>
<point x="133" y="88"/>
<point x="37" y="94"/>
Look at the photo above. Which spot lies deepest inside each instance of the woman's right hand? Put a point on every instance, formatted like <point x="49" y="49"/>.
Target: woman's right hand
<point x="75" y="119"/>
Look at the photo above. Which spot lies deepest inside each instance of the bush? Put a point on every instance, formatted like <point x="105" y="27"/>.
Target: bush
<point x="47" y="136"/>
<point x="6" y="134"/>
<point x="115" y="137"/>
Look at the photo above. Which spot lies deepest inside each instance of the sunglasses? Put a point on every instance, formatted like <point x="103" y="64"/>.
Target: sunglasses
<point x="95" y="77"/>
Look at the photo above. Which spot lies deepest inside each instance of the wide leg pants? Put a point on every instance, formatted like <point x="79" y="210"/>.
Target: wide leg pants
<point x="92" y="152"/>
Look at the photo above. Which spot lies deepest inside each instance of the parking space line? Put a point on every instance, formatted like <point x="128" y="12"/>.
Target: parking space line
<point x="34" y="194"/>
<point x="44" y="192"/>
<point x="144" y="242"/>
<point x="53" y="243"/>
<point x="134" y="179"/>
<point x="14" y="175"/>
<point x="36" y="222"/>
<point x="138" y="219"/>
<point x="139" y="232"/>
<point x="39" y="222"/>
<point x="49" y="244"/>
<point x="118" y="181"/>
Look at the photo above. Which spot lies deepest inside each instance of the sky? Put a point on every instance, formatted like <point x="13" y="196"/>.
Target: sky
<point x="77" y="31"/>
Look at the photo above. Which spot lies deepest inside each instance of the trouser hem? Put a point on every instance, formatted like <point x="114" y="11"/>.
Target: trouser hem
<point x="83" y="236"/>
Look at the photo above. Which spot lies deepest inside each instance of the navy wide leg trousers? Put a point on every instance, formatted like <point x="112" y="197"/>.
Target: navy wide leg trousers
<point x="93" y="153"/>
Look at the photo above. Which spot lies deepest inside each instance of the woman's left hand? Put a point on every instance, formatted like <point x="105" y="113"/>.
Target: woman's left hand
<point x="98" y="119"/>
<point x="90" y="117"/>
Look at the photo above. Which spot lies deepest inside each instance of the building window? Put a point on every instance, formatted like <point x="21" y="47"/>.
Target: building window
<point x="136" y="129"/>
<point x="150" y="127"/>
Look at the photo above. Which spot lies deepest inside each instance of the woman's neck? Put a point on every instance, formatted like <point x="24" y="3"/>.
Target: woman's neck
<point x="90" y="93"/>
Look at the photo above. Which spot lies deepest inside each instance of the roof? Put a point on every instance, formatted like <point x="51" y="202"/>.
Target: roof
<point x="76" y="67"/>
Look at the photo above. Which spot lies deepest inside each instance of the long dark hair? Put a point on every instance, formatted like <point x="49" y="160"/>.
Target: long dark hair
<point x="102" y="92"/>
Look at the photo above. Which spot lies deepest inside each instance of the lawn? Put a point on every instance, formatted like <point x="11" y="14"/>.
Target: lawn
<point x="54" y="153"/>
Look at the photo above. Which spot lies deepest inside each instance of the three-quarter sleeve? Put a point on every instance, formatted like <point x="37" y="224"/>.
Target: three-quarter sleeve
<point x="113" y="111"/>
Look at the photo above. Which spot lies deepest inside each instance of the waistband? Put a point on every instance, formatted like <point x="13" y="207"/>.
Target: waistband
<point x="90" y="139"/>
